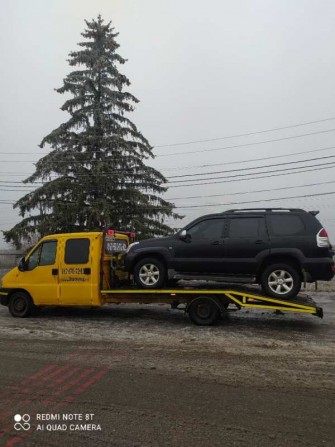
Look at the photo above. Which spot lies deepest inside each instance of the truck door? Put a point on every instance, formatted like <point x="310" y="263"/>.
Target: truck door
<point x="39" y="277"/>
<point x="76" y="271"/>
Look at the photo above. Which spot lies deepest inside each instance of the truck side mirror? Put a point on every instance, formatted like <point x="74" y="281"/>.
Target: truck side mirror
<point x="22" y="265"/>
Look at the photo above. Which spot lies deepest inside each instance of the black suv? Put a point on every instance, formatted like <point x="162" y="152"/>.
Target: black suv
<point x="277" y="248"/>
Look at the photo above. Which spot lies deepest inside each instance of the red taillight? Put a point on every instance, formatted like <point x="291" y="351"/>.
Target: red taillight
<point x="323" y="233"/>
<point x="110" y="232"/>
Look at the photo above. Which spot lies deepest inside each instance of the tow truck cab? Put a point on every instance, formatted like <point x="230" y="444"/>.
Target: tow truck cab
<point x="68" y="269"/>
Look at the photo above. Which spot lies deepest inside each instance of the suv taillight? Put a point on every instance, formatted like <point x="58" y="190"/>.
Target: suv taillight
<point x="322" y="239"/>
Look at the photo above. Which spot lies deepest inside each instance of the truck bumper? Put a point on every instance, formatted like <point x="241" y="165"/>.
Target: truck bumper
<point x="4" y="293"/>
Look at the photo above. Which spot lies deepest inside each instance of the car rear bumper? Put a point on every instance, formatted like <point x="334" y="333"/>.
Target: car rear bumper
<point x="319" y="269"/>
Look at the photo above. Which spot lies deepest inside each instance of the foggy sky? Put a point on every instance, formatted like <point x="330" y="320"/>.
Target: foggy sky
<point x="201" y="70"/>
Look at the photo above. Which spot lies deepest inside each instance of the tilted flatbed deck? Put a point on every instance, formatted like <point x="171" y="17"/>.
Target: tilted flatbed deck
<point x="205" y="305"/>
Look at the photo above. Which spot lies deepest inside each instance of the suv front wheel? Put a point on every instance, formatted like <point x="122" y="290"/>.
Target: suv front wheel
<point x="281" y="281"/>
<point x="149" y="273"/>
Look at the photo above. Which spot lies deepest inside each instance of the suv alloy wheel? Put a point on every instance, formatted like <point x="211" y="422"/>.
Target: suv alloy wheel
<point x="149" y="273"/>
<point x="281" y="281"/>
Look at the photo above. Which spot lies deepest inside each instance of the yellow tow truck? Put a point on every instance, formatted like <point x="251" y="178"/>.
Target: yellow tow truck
<point x="85" y="269"/>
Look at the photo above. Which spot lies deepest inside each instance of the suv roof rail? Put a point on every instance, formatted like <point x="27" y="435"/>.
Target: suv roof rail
<point x="241" y="210"/>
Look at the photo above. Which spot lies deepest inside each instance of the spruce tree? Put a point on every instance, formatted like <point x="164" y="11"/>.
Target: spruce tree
<point x="95" y="173"/>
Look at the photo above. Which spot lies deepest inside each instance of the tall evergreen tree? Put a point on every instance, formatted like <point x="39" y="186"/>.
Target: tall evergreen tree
<point x="95" y="174"/>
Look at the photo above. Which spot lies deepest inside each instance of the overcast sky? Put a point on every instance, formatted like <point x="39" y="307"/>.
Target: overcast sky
<point x="202" y="71"/>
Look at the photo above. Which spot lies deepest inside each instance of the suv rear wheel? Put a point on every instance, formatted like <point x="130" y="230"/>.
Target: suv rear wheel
<point x="149" y="273"/>
<point x="281" y="281"/>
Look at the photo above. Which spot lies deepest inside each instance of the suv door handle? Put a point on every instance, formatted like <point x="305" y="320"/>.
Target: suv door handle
<point x="259" y="242"/>
<point x="217" y="243"/>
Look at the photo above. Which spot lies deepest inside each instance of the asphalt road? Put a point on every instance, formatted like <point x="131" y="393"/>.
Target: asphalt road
<point x="145" y="376"/>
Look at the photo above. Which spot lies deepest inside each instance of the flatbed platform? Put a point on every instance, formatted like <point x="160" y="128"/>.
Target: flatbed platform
<point x="206" y="304"/>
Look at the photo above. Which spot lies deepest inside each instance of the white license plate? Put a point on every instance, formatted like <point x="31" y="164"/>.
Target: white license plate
<point x="116" y="246"/>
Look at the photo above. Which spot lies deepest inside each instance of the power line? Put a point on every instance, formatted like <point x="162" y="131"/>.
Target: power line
<point x="307" y="123"/>
<point x="203" y="173"/>
<point x="247" y="144"/>
<point x="252" y="173"/>
<point x="198" y="174"/>
<point x="233" y="193"/>
<point x="12" y="186"/>
<point x="210" y="205"/>
<point x="17" y="190"/>
<point x="257" y="201"/>
<point x="303" y="169"/>
<point x="252" y="192"/>
<point x="251" y="178"/>
<point x="189" y="167"/>
<point x="12" y="181"/>
<point x="245" y="134"/>
<point x="228" y="194"/>
<point x="190" y="152"/>
<point x="254" y="167"/>
<point x="250" y="159"/>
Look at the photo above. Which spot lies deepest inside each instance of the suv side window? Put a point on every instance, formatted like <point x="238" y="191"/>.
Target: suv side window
<point x="207" y="229"/>
<point x="286" y="225"/>
<point x="246" y="227"/>
<point x="45" y="254"/>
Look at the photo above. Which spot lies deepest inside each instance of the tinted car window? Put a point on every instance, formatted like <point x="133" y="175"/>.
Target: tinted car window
<point x="77" y="251"/>
<point x="246" y="227"/>
<point x="207" y="229"/>
<point x="286" y="225"/>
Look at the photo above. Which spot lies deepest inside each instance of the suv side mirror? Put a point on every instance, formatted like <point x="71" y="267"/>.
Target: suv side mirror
<point x="22" y="265"/>
<point x="184" y="236"/>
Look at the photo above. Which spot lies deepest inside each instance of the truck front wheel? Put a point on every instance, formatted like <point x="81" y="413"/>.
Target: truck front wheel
<point x="20" y="304"/>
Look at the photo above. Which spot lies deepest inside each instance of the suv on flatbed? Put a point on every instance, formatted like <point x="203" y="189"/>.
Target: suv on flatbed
<point x="277" y="248"/>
